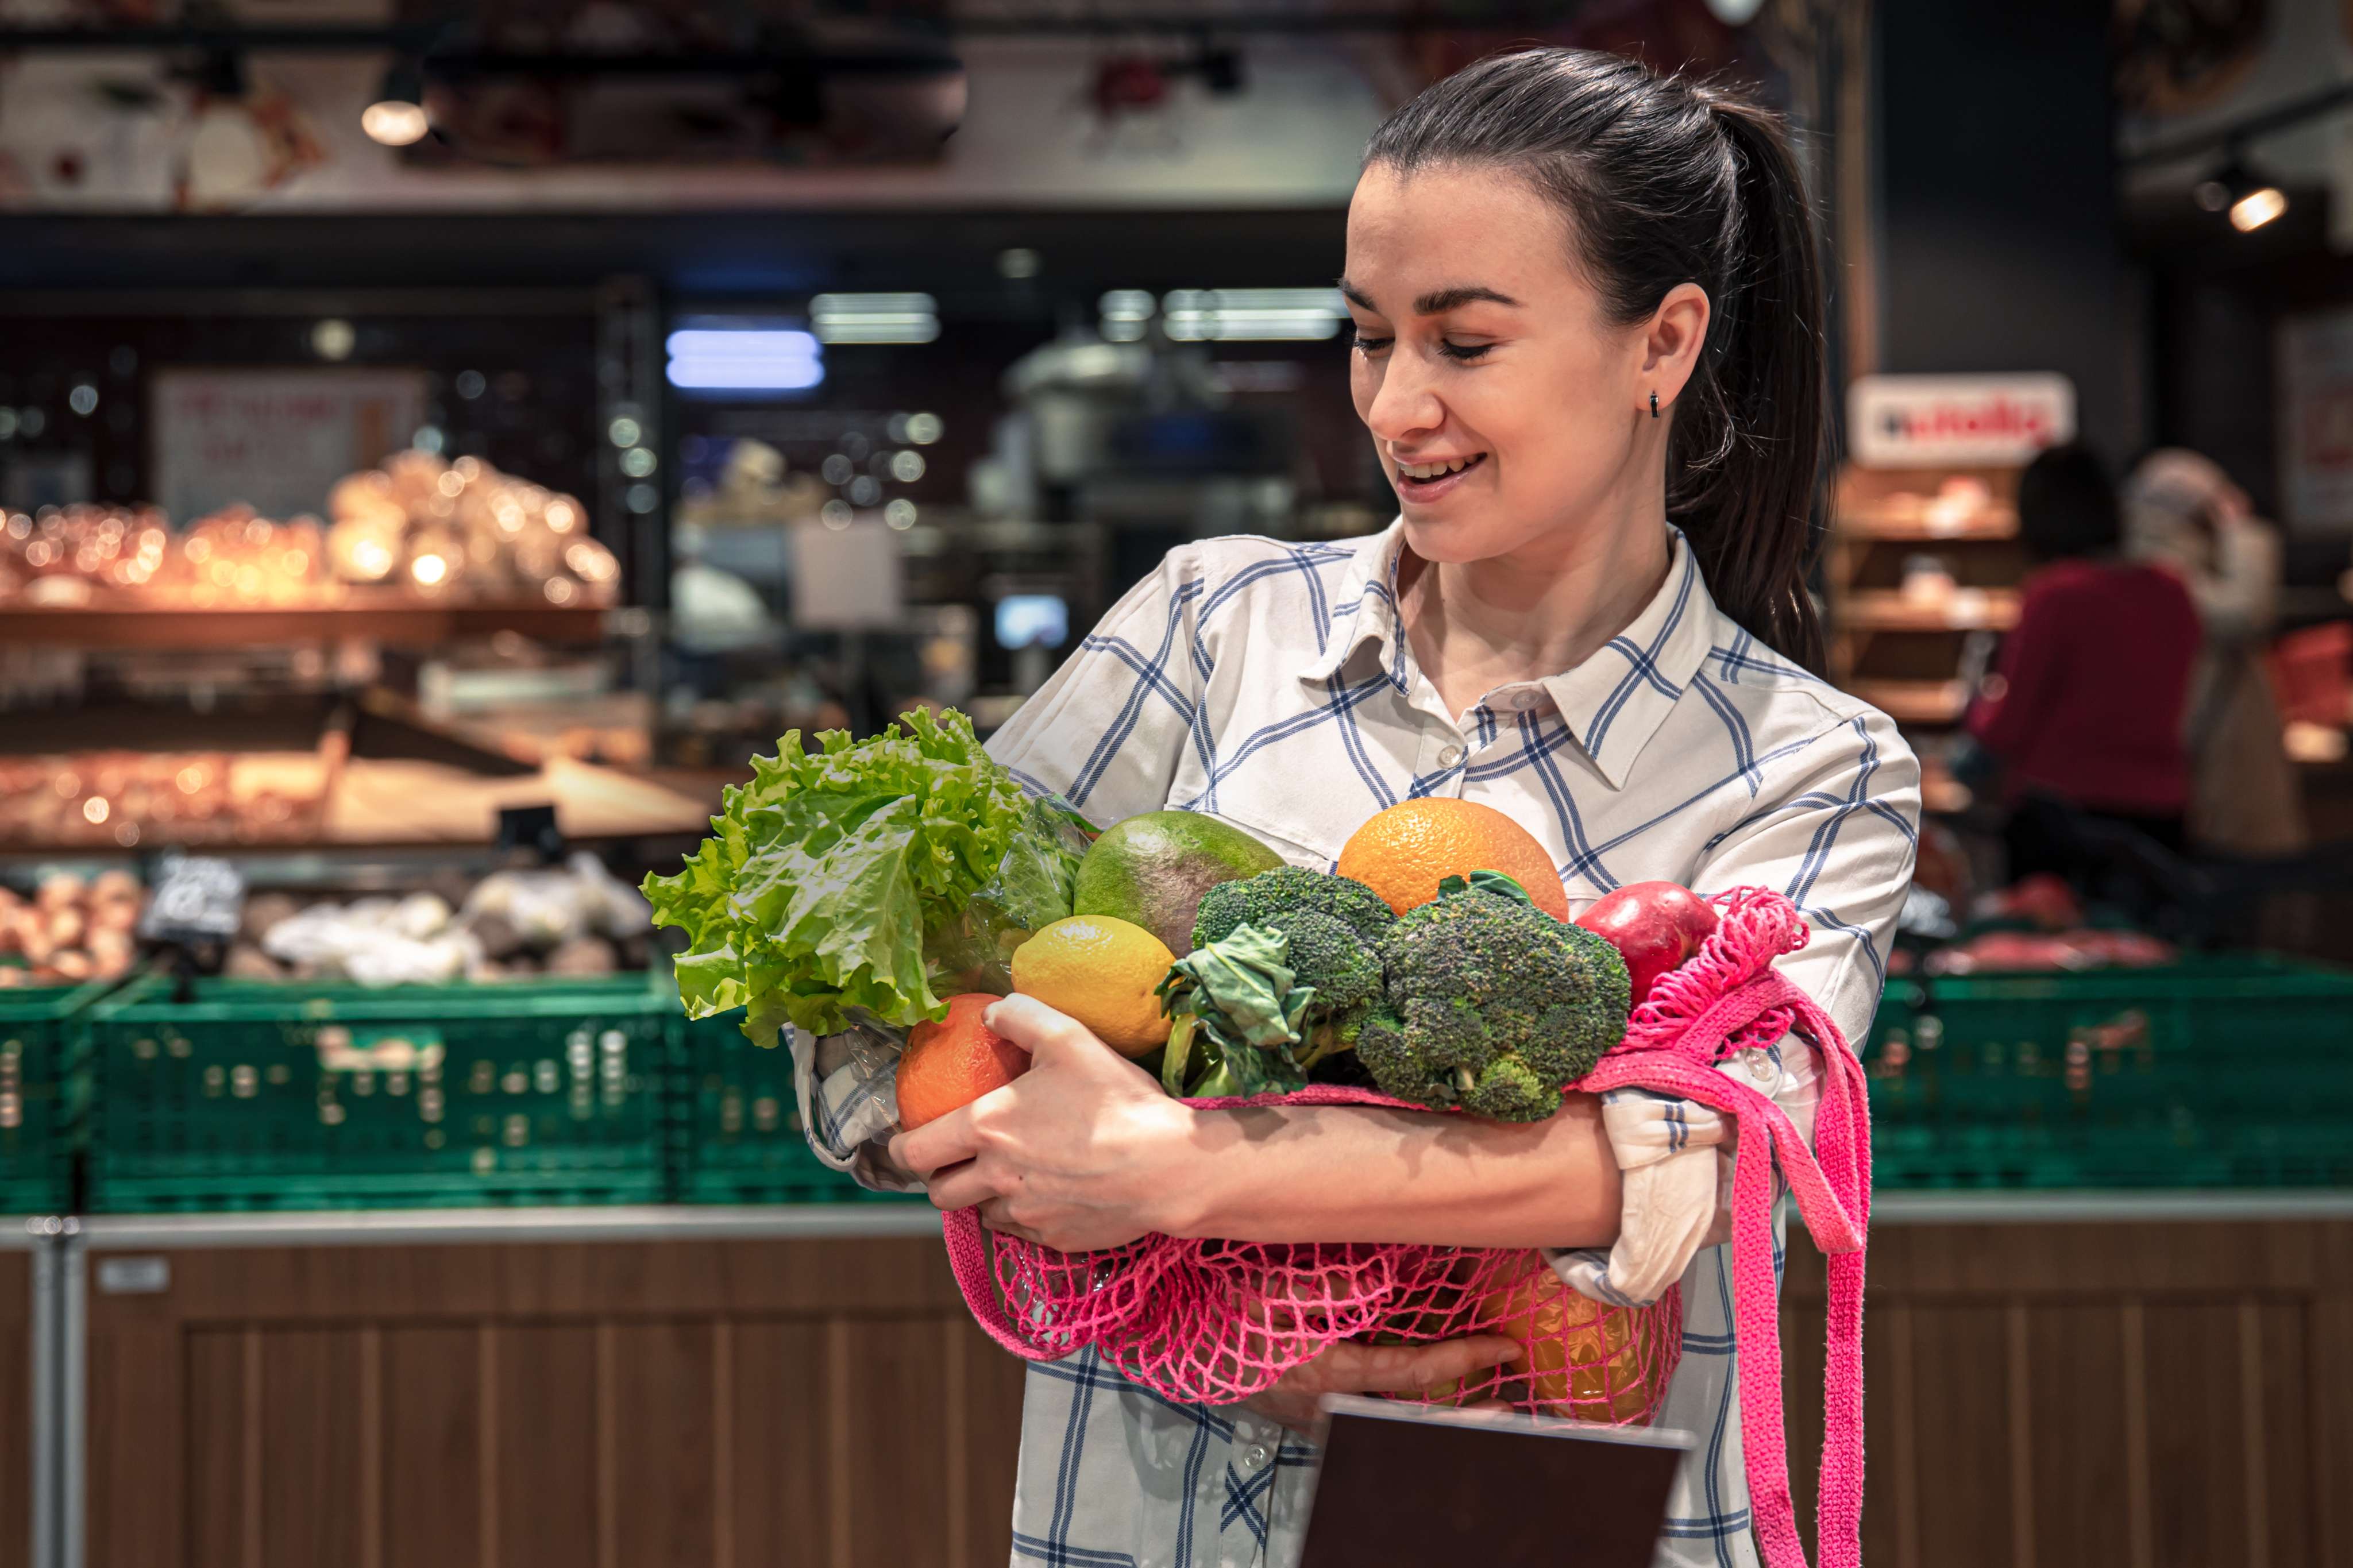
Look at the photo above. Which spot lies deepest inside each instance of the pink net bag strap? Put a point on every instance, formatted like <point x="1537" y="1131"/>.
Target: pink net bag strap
<point x="1728" y="997"/>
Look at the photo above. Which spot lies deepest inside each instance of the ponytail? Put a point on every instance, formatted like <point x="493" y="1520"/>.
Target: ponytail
<point x="1666" y="182"/>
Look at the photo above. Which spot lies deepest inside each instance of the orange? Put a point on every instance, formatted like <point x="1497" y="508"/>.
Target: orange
<point x="949" y="1064"/>
<point x="1406" y="851"/>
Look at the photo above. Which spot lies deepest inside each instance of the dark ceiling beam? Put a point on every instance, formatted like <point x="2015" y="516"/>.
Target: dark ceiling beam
<point x="2269" y="122"/>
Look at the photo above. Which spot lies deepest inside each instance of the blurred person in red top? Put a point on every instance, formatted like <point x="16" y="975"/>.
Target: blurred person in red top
<point x="2088" y="707"/>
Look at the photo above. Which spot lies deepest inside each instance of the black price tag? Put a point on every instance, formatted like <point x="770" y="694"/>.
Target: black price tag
<point x="196" y="898"/>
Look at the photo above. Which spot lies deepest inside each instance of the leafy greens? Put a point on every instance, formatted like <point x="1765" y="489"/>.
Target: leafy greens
<point x="826" y="880"/>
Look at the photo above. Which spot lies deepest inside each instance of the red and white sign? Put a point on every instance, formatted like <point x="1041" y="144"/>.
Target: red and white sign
<point x="275" y="439"/>
<point x="2315" y="421"/>
<point x="1956" y="421"/>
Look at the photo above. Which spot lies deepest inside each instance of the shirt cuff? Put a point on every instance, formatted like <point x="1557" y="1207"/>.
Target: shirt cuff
<point x="848" y="1102"/>
<point x="1677" y="1159"/>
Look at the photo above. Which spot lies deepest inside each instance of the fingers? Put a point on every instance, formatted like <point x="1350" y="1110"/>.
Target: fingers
<point x="960" y="1187"/>
<point x="1403" y="1368"/>
<point x="947" y="1141"/>
<point x="1040" y="1029"/>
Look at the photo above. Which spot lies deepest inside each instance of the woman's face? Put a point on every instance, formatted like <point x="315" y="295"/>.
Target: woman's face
<point x="1502" y="401"/>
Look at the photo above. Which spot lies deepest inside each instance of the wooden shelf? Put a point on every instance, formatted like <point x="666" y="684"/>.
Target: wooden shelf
<point x="1992" y="523"/>
<point x="1916" y="702"/>
<point x="405" y="624"/>
<point x="1886" y="610"/>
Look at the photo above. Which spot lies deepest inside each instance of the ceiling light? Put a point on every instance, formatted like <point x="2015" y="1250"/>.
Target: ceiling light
<point x="2257" y="207"/>
<point x="1252" y="315"/>
<point x="397" y="117"/>
<point x="875" y="318"/>
<point x="744" y="359"/>
<point x="2251" y="200"/>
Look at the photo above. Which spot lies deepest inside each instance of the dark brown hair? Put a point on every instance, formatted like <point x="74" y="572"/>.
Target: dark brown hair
<point x="1666" y="180"/>
<point x="2067" y="505"/>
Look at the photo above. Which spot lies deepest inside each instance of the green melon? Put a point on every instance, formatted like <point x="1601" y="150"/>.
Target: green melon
<point x="1153" y="870"/>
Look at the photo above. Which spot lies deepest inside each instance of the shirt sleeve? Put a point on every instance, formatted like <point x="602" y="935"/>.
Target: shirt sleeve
<point x="1107" y="734"/>
<point x="1839" y="841"/>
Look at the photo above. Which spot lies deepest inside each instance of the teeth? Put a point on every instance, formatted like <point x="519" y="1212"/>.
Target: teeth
<point x="1432" y="470"/>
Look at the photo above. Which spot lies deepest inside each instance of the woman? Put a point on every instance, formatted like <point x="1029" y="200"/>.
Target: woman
<point x="1586" y="302"/>
<point x="2181" y="511"/>
<point x="2088" y="707"/>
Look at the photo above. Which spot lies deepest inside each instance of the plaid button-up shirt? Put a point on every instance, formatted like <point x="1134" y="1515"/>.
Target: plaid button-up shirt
<point x="1272" y="685"/>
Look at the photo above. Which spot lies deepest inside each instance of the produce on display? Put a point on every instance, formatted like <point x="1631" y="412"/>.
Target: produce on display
<point x="463" y="529"/>
<point x="71" y="930"/>
<point x="949" y="1064"/>
<point x="1655" y="926"/>
<point x="865" y="879"/>
<point x="575" y="919"/>
<point x="1154" y="869"/>
<point x="120" y="799"/>
<point x="1404" y="852"/>
<point x="419" y="526"/>
<point x="1492" y="1005"/>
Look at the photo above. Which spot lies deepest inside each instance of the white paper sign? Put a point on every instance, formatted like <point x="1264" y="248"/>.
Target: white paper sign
<point x="847" y="579"/>
<point x="2315" y="421"/>
<point x="1956" y="421"/>
<point x="275" y="439"/>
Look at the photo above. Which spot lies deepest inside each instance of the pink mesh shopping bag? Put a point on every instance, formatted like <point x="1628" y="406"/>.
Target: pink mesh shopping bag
<point x="1214" y="1321"/>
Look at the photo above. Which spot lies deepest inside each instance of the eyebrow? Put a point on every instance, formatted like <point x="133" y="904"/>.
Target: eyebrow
<point x="1438" y="302"/>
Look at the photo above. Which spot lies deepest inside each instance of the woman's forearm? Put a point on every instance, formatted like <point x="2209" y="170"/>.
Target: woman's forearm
<point x="1353" y="1173"/>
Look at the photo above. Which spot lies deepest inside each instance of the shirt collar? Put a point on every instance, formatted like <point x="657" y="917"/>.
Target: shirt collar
<point x="1612" y="703"/>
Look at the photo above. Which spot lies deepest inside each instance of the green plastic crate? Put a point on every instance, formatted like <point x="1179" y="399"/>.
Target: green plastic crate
<point x="737" y="1133"/>
<point x="39" y="1026"/>
<point x="249" y="1096"/>
<point x="2212" y="1073"/>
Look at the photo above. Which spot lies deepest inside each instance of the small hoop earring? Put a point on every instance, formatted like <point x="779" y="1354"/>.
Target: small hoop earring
<point x="1654" y="405"/>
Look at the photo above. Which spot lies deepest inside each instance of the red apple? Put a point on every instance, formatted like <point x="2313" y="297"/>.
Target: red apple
<point x="1655" y="926"/>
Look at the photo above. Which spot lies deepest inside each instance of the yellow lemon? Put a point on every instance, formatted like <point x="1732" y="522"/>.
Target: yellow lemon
<point x="1102" y="972"/>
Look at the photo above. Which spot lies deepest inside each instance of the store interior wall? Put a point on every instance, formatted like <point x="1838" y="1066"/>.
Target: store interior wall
<point x="1999" y="248"/>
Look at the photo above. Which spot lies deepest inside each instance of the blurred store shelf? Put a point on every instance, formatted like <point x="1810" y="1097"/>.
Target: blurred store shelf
<point x="1916" y="527"/>
<point x="1958" y="610"/>
<point x="405" y="624"/>
<point x="1916" y="702"/>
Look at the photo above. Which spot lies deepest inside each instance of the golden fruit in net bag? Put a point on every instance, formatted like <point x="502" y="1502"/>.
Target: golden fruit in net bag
<point x="1582" y="1358"/>
<point x="1585" y="1359"/>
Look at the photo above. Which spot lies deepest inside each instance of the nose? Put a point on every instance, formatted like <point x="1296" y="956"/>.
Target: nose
<point x="1405" y="405"/>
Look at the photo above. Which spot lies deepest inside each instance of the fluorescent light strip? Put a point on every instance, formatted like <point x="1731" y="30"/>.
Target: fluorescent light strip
<point x="877" y="329"/>
<point x="744" y="359"/>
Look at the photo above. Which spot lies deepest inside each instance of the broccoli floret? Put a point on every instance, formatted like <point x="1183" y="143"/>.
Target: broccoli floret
<point x="1261" y="900"/>
<point x="1332" y="924"/>
<point x="1492" y="1006"/>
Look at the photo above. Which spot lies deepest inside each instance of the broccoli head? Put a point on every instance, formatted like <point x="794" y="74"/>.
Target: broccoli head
<point x="1329" y="925"/>
<point x="1492" y="1006"/>
<point x="1262" y="899"/>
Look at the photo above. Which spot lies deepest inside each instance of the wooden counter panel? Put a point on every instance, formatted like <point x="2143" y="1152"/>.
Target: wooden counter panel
<point x="826" y="1403"/>
<point x="15" y="1408"/>
<point x="2044" y="1395"/>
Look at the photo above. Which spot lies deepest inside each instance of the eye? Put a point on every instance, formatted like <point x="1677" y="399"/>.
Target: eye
<point x="1463" y="351"/>
<point x="1365" y="342"/>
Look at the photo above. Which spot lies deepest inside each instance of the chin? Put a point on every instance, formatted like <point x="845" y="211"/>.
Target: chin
<point x="1452" y="542"/>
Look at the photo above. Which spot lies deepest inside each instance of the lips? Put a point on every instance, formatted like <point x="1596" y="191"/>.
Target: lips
<point x="1427" y="485"/>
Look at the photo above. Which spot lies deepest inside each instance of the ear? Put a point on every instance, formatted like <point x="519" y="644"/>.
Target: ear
<point x="1671" y="341"/>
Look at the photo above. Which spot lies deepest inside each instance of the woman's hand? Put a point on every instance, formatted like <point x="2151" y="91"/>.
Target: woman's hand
<point x="1352" y="1368"/>
<point x="1084" y="1151"/>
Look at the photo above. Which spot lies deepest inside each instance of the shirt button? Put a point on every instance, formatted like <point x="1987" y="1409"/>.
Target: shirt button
<point x="1255" y="1456"/>
<point x="1523" y="701"/>
<point x="1449" y="757"/>
<point x="1760" y="1066"/>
